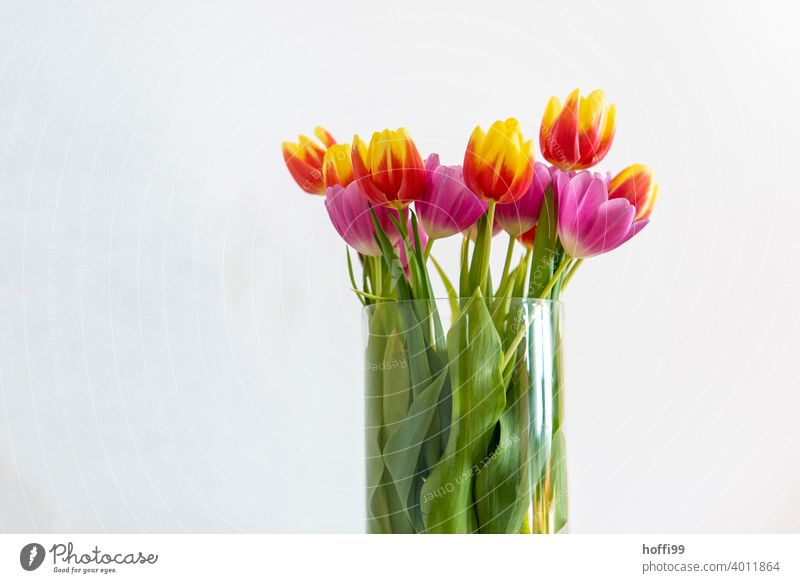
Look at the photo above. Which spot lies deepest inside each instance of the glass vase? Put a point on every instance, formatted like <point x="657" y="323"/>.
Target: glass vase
<point x="464" y="416"/>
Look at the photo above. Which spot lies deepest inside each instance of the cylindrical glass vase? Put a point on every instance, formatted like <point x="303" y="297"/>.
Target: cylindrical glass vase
<point x="464" y="416"/>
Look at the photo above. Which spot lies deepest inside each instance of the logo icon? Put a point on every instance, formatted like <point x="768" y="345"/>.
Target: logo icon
<point x="31" y="556"/>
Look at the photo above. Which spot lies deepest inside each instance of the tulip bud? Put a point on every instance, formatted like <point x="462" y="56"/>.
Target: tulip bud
<point x="636" y="184"/>
<point x="447" y="206"/>
<point x="498" y="164"/>
<point x="304" y="160"/>
<point x="579" y="134"/>
<point x="519" y="216"/>
<point x="588" y="222"/>
<point x="389" y="171"/>
<point x="350" y="214"/>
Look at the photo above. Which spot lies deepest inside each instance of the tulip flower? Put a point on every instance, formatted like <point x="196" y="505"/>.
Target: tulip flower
<point x="389" y="171"/>
<point x="337" y="167"/>
<point x="521" y="215"/>
<point x="447" y="206"/>
<point x="588" y="222"/>
<point x="498" y="164"/>
<point x="304" y="160"/>
<point x="350" y="214"/>
<point x="579" y="134"/>
<point x="635" y="184"/>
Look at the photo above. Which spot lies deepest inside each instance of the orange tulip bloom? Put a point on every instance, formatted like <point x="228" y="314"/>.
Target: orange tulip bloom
<point x="636" y="184"/>
<point x="337" y="167"/>
<point x="498" y="164"/>
<point x="389" y="171"/>
<point x="579" y="134"/>
<point x="304" y="160"/>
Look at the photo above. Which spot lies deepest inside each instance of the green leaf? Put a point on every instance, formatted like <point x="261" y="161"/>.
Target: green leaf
<point x="396" y="385"/>
<point x="464" y="273"/>
<point x="378" y="511"/>
<point x="520" y="275"/>
<point x="559" y="472"/>
<point x="398" y="517"/>
<point x="502" y="486"/>
<point x="352" y="277"/>
<point x="478" y="399"/>
<point x="501" y="301"/>
<point x="366" y="275"/>
<point x="451" y="291"/>
<point x="545" y="253"/>
<point x="478" y="255"/>
<point x="391" y="261"/>
<point x="402" y="452"/>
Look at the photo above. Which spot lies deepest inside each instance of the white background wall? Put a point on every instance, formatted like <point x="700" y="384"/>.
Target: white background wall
<point x="178" y="348"/>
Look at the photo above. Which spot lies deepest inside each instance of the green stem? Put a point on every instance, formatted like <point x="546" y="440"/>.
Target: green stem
<point x="487" y="246"/>
<point x="509" y="255"/>
<point x="403" y="214"/>
<point x="564" y="263"/>
<point x="428" y="247"/>
<point x="570" y="273"/>
<point x="378" y="271"/>
<point x="512" y="347"/>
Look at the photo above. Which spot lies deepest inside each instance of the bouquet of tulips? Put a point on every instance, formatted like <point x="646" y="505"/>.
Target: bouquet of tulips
<point x="464" y="422"/>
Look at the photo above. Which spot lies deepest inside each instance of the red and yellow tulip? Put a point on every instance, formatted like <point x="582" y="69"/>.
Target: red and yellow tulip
<point x="636" y="184"/>
<point x="498" y="164"/>
<point x="578" y="134"/>
<point x="337" y="167"/>
<point x="304" y="160"/>
<point x="389" y="170"/>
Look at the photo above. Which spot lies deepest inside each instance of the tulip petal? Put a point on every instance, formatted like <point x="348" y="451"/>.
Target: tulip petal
<point x="591" y="197"/>
<point x="498" y="164"/>
<point x="351" y="216"/>
<point x="390" y="169"/>
<point x="447" y="207"/>
<point x="521" y="215"/>
<point x="567" y="206"/>
<point x="588" y="222"/>
<point x="610" y="227"/>
<point x="563" y="135"/>
<point x="579" y="134"/>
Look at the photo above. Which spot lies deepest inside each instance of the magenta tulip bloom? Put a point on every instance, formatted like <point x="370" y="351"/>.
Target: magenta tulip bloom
<point x="349" y="211"/>
<point x="521" y="215"/>
<point x="447" y="206"/>
<point x="588" y="222"/>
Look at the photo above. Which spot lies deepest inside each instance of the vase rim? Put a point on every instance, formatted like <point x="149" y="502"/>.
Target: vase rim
<point x="540" y="301"/>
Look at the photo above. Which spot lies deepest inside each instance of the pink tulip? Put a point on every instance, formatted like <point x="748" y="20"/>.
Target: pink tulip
<point x="349" y="211"/>
<point x="588" y="222"/>
<point x="447" y="206"/>
<point x="520" y="216"/>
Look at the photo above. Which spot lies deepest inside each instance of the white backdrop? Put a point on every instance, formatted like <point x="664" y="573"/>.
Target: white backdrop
<point x="178" y="348"/>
